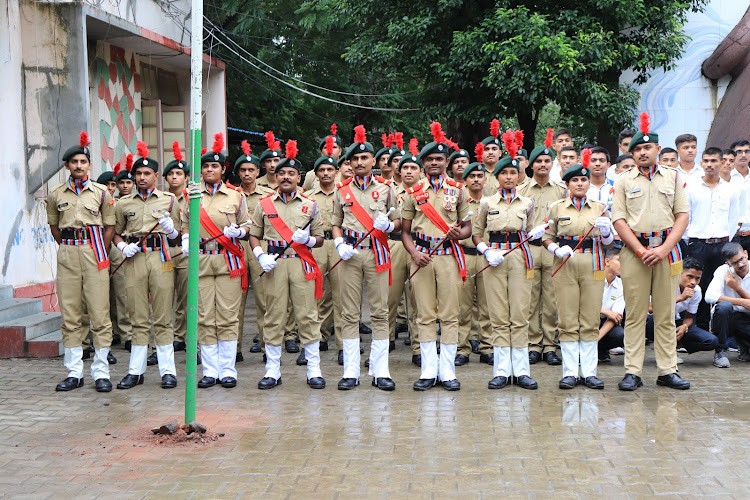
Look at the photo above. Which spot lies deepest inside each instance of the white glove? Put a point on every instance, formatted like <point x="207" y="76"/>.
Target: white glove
<point x="234" y="231"/>
<point x="563" y="252"/>
<point x="536" y="232"/>
<point x="345" y="250"/>
<point x="604" y="225"/>
<point x="185" y="244"/>
<point x="301" y="236"/>
<point x="382" y="223"/>
<point x="167" y="224"/>
<point x="194" y="188"/>
<point x="494" y="257"/>
<point x="130" y="249"/>
<point x="267" y="262"/>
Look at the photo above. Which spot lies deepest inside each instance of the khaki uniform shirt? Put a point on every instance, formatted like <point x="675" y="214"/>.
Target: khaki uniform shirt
<point x="566" y="221"/>
<point x="496" y="214"/>
<point x="93" y="207"/>
<point x="377" y="198"/>
<point x="649" y="206"/>
<point x="224" y="207"/>
<point x="543" y="197"/>
<point x="136" y="217"/>
<point x="474" y="206"/>
<point x="263" y="181"/>
<point x="325" y="205"/>
<point x="254" y="198"/>
<point x="295" y="214"/>
<point x="492" y="185"/>
<point x="312" y="182"/>
<point x="449" y="202"/>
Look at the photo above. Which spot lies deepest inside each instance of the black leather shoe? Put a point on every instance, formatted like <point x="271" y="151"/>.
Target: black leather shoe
<point x="103" y="385"/>
<point x="630" y="382"/>
<point x="391" y="346"/>
<point x="552" y="358"/>
<point x="384" y="384"/>
<point x="534" y="357"/>
<point x="239" y="358"/>
<point x="346" y="384"/>
<point x="475" y="346"/>
<point x="323" y="346"/>
<point x="593" y="383"/>
<point x="130" y="381"/>
<point x="255" y="348"/>
<point x="416" y="359"/>
<point x="341" y="358"/>
<point x="168" y="381"/>
<point x="291" y="346"/>
<point x="364" y="329"/>
<point x="111" y="359"/>
<point x="301" y="359"/>
<point x="178" y="345"/>
<point x="69" y="384"/>
<point x="228" y="382"/>
<point x="128" y="344"/>
<point x="461" y="360"/>
<point x="424" y="384"/>
<point x="152" y="360"/>
<point x="402" y="328"/>
<point x="673" y="381"/>
<point x="488" y="359"/>
<point x="498" y="382"/>
<point x="568" y="382"/>
<point x="451" y="385"/>
<point x="316" y="383"/>
<point x="206" y="382"/>
<point x="268" y="383"/>
<point x="526" y="382"/>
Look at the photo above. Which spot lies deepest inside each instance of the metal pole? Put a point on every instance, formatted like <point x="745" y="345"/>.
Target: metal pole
<point x="196" y="99"/>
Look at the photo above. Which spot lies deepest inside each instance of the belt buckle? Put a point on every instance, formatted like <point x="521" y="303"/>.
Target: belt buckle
<point x="211" y="246"/>
<point x="654" y="241"/>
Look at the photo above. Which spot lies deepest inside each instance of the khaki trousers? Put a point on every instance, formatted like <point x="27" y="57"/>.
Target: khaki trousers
<point x="218" y="300"/>
<point x="81" y="287"/>
<point x="543" y="309"/>
<point x="579" y="299"/>
<point x="437" y="288"/>
<point x="508" y="292"/>
<point x="329" y="309"/>
<point x="474" y="318"/>
<point x="147" y="283"/>
<point x="118" y="300"/>
<point x="355" y="273"/>
<point x="180" y="294"/>
<point x="641" y="283"/>
<point x="284" y="284"/>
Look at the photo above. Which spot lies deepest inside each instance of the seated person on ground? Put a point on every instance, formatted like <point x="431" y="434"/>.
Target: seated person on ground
<point x="611" y="332"/>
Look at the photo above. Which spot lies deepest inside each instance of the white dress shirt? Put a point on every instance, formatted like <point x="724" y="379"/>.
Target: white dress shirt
<point x="555" y="173"/>
<point x="613" y="298"/>
<point x="742" y="184"/>
<point x="718" y="287"/>
<point x="695" y="173"/>
<point x="713" y="212"/>
<point x="690" y="304"/>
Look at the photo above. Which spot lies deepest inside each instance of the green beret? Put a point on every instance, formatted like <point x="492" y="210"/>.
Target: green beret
<point x="325" y="160"/>
<point x="176" y="164"/>
<point x="461" y="153"/>
<point x="536" y="153"/>
<point x="505" y="162"/>
<point x="576" y="170"/>
<point x="106" y="177"/>
<point x="270" y="153"/>
<point x="641" y="138"/>
<point x="322" y="142"/>
<point x="213" y="157"/>
<point x="286" y="162"/>
<point x="249" y="159"/>
<point x="492" y="140"/>
<point x="479" y="167"/>
<point x="434" y="148"/>
<point x="124" y="175"/>
<point x="523" y="152"/>
<point x="381" y="152"/>
<point x="76" y="150"/>
<point x="145" y="162"/>
<point x="408" y="158"/>
<point x="357" y="148"/>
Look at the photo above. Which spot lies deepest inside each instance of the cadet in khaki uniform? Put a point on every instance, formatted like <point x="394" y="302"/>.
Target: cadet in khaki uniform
<point x="148" y="269"/>
<point x="247" y="168"/>
<point x="503" y="219"/>
<point x="311" y="180"/>
<point x="81" y="216"/>
<point x="361" y="204"/>
<point x="579" y="284"/>
<point x="543" y="311"/>
<point x="435" y="211"/>
<point x="650" y="213"/>
<point x="291" y="272"/>
<point x="474" y="320"/>
<point x="222" y="274"/>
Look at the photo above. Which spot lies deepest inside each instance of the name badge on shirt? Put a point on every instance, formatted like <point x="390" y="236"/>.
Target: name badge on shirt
<point x="272" y="216"/>
<point x="563" y="218"/>
<point x="636" y="190"/>
<point x="493" y="212"/>
<point x="62" y="205"/>
<point x="129" y="215"/>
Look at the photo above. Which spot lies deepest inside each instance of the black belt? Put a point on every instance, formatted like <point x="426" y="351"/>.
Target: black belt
<point x="351" y="240"/>
<point x="394" y="236"/>
<point x="327" y="235"/>
<point x="503" y="237"/>
<point x="470" y="250"/>
<point x="151" y="241"/>
<point x="276" y="250"/>
<point x="536" y="243"/>
<point x="711" y="241"/>
<point x="427" y="244"/>
<point x="587" y="243"/>
<point x="74" y="233"/>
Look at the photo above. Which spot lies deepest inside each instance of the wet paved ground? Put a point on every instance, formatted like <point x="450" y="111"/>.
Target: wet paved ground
<point x="294" y="441"/>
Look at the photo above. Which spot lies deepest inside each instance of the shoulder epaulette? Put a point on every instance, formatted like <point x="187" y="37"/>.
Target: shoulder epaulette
<point x="383" y="180"/>
<point x="303" y="195"/>
<point x="557" y="202"/>
<point x="454" y="183"/>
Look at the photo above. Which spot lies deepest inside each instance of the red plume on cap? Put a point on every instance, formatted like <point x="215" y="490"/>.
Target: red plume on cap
<point x="334" y="129"/>
<point x="204" y="151"/>
<point x="117" y="168"/>
<point x="479" y="151"/>
<point x="495" y="128"/>
<point x="129" y="159"/>
<point x="509" y="140"/>
<point x="453" y="145"/>
<point x="270" y="140"/>
<point x="176" y="151"/>
<point x="291" y="149"/>
<point x="645" y="123"/>
<point x="549" y="138"/>
<point x="437" y="132"/>
<point x="586" y="158"/>
<point x="276" y="145"/>
<point x="414" y="146"/>
<point x="399" y="140"/>
<point x="389" y="141"/>
<point x="84" y="139"/>
<point x="329" y="145"/>
<point x="218" y="146"/>
<point x="142" y="149"/>
<point x="246" y="149"/>
<point x="384" y="139"/>
<point x="360" y="134"/>
<point x="519" y="139"/>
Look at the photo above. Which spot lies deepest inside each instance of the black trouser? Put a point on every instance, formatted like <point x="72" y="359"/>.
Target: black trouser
<point x="730" y="323"/>
<point x="709" y="254"/>
<point x="613" y="338"/>
<point x="696" y="339"/>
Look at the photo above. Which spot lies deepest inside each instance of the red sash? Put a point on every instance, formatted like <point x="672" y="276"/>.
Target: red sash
<point x="422" y="198"/>
<point x="235" y="261"/>
<point x="312" y="271"/>
<point x="380" y="248"/>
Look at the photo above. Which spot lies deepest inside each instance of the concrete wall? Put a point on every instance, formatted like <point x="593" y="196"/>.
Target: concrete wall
<point x="170" y="19"/>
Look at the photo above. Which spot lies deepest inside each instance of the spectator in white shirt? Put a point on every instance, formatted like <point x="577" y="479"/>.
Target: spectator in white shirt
<point x="601" y="188"/>
<point x="727" y="164"/>
<point x="611" y="332"/>
<point x="687" y="150"/>
<point x="741" y="179"/>
<point x="562" y="138"/>
<point x="668" y="158"/>
<point x="729" y="290"/>
<point x="741" y="150"/>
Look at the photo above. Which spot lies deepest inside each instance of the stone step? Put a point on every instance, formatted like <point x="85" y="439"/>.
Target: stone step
<point x="6" y="292"/>
<point x="36" y="325"/>
<point x="11" y="309"/>
<point x="45" y="346"/>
